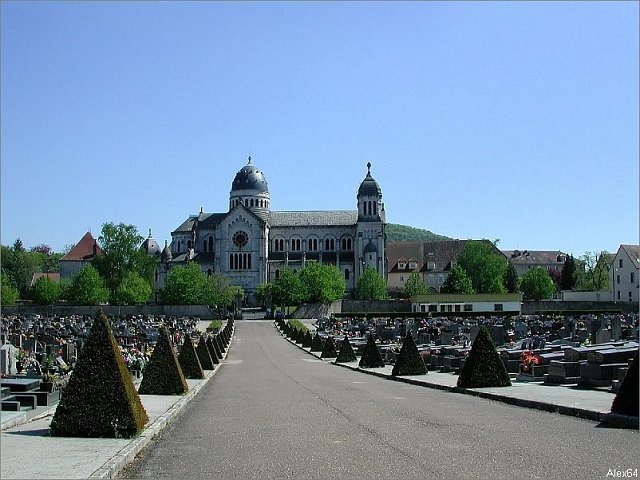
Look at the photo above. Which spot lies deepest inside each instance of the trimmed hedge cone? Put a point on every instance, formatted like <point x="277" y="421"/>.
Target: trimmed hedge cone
<point x="317" y="345"/>
<point x="626" y="401"/>
<point x="371" y="357"/>
<point x="409" y="361"/>
<point x="188" y="359"/>
<point x="346" y="352"/>
<point x="203" y="354"/>
<point x="483" y="367"/>
<point x="308" y="340"/>
<point x="215" y="357"/>
<point x="100" y="399"/>
<point x="329" y="350"/>
<point x="163" y="375"/>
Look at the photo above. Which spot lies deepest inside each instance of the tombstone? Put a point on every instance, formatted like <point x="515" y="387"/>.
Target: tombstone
<point x="3" y="339"/>
<point x="521" y="329"/>
<point x="454" y="328"/>
<point x="8" y="359"/>
<point x="446" y="338"/>
<point x="603" y="336"/>
<point x="616" y="328"/>
<point x="473" y="332"/>
<point x="497" y="334"/>
<point x="594" y="327"/>
<point x="16" y="339"/>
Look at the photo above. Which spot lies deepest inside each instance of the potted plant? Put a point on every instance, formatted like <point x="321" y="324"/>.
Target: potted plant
<point x="48" y="380"/>
<point x="49" y="364"/>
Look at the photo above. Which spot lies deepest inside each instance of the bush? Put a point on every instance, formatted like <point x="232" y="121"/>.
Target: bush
<point x="329" y="349"/>
<point x="213" y="351"/>
<point x="371" y="357"/>
<point x="317" y="344"/>
<point x="298" y="325"/>
<point x="626" y="401"/>
<point x="163" y="375"/>
<point x="100" y="399"/>
<point x="409" y="361"/>
<point x="483" y="367"/>
<point x="346" y="352"/>
<point x="188" y="359"/>
<point x="203" y="354"/>
<point x="308" y="340"/>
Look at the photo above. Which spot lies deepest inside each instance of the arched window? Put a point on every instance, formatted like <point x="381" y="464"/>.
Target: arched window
<point x="277" y="273"/>
<point x="346" y="274"/>
<point x="210" y="243"/>
<point x="375" y="208"/>
<point x="204" y="246"/>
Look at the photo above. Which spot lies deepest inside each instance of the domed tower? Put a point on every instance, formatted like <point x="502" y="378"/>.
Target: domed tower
<point x="151" y="247"/>
<point x="370" y="230"/>
<point x="249" y="187"/>
<point x="370" y="206"/>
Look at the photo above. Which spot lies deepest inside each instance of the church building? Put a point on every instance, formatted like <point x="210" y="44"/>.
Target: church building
<point x="250" y="244"/>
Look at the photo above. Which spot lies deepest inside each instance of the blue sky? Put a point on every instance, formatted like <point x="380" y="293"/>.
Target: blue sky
<point x="509" y="120"/>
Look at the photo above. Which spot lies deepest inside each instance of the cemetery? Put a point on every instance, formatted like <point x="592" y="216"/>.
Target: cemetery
<point x="580" y="352"/>
<point x="39" y="354"/>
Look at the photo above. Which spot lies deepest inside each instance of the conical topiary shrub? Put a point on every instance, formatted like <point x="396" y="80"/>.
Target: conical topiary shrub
<point x="483" y="367"/>
<point x="346" y="352"/>
<point x="626" y="401"/>
<point x="317" y="344"/>
<point x="329" y="350"/>
<point x="300" y="336"/>
<point x="100" y="399"/>
<point x="163" y="375"/>
<point x="308" y="340"/>
<point x="221" y="346"/>
<point x="188" y="359"/>
<point x="203" y="354"/>
<point x="409" y="361"/>
<point x="213" y="351"/>
<point x="371" y="357"/>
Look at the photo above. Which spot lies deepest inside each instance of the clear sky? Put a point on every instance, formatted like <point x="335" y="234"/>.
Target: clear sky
<point x="509" y="120"/>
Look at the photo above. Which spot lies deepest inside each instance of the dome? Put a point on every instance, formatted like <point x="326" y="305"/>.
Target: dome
<point x="249" y="178"/>
<point x="151" y="246"/>
<point x="166" y="253"/>
<point x="369" y="187"/>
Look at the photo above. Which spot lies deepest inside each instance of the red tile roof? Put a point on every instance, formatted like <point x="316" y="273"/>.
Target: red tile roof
<point x="85" y="249"/>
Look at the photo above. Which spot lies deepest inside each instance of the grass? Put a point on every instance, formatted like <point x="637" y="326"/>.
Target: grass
<point x="297" y="324"/>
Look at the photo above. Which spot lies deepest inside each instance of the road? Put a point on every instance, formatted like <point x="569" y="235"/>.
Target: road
<point x="272" y="411"/>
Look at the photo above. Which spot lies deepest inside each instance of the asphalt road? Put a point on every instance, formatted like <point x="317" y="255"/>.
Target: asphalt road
<point x="272" y="411"/>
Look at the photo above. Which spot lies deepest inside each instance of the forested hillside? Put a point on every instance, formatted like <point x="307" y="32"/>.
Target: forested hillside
<point x="404" y="233"/>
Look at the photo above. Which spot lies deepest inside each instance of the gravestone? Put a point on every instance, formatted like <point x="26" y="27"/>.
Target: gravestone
<point x="16" y="339"/>
<point x="616" y="328"/>
<point x="454" y="328"/>
<point x="603" y="336"/>
<point x="594" y="327"/>
<point x="446" y="338"/>
<point x="521" y="329"/>
<point x="497" y="334"/>
<point x="8" y="359"/>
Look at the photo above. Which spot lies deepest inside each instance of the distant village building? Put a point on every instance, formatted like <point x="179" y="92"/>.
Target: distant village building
<point x="525" y="260"/>
<point x="624" y="273"/>
<point x="432" y="260"/>
<point x="250" y="244"/>
<point x="80" y="255"/>
<point x="469" y="304"/>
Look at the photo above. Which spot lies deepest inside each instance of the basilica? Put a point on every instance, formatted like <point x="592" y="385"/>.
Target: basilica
<point x="250" y="244"/>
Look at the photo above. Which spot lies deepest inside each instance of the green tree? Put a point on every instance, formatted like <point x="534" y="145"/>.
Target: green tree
<point x="132" y="290"/>
<point x="415" y="286"/>
<point x="9" y="294"/>
<point x="323" y="283"/>
<point x="20" y="266"/>
<point x="484" y="265"/>
<point x="536" y="284"/>
<point x="371" y="286"/>
<point x="45" y="291"/>
<point x="288" y="289"/>
<point x="121" y="254"/>
<point x="220" y="292"/>
<point x="457" y="282"/>
<point x="185" y="285"/>
<point x="568" y="279"/>
<point x="595" y="272"/>
<point x="511" y="279"/>
<point x="88" y="288"/>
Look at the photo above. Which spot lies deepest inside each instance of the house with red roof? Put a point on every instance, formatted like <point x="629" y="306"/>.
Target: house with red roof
<point x="80" y="255"/>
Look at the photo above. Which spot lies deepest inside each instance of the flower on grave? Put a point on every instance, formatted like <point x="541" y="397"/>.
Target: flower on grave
<point x="529" y="359"/>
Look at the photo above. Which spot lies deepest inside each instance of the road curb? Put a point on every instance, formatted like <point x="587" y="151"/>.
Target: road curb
<point x="605" y="418"/>
<point x="128" y="453"/>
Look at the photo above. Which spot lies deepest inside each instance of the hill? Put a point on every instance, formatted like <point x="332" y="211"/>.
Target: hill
<point x="404" y="233"/>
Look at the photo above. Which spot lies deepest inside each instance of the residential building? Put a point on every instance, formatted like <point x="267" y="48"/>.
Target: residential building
<point x="432" y="260"/>
<point x="80" y="255"/>
<point x="623" y="273"/>
<point x="525" y="260"/>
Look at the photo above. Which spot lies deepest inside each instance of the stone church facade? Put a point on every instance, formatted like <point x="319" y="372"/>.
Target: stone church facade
<point x="250" y="244"/>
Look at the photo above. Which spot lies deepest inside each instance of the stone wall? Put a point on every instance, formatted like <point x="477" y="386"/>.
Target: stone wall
<point x="531" y="308"/>
<point x="202" y="311"/>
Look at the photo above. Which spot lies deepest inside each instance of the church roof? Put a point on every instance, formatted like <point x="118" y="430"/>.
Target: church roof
<point x="85" y="249"/>
<point x="369" y="186"/>
<point x="312" y="219"/>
